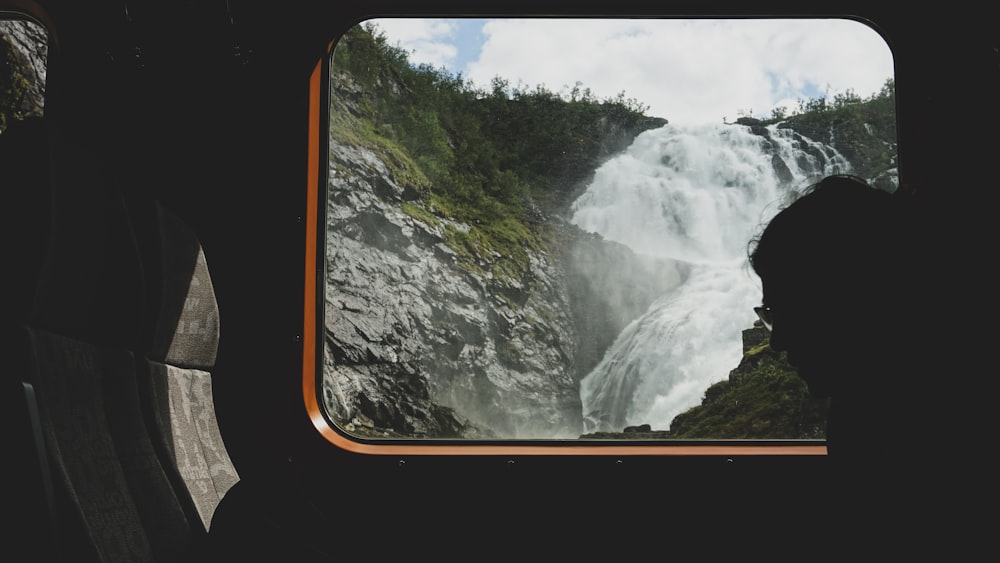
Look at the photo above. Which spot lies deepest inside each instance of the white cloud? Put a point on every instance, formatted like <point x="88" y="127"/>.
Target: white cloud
<point x="686" y="71"/>
<point x="425" y="41"/>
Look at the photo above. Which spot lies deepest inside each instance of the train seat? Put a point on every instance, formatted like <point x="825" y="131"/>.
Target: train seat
<point x="180" y="342"/>
<point x="24" y="229"/>
<point x="111" y="498"/>
<point x="93" y="482"/>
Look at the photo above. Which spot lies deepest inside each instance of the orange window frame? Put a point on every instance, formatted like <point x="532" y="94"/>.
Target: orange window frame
<point x="310" y="357"/>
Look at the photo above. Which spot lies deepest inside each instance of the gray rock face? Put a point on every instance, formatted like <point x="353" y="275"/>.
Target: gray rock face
<point x="24" y="54"/>
<point x="420" y="346"/>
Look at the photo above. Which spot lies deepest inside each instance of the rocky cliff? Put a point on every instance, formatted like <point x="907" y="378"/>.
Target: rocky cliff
<point x="424" y="340"/>
<point x="429" y="331"/>
<point x="23" y="56"/>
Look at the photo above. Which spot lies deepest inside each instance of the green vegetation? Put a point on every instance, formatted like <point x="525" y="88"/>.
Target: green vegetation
<point x="862" y="129"/>
<point x="879" y="109"/>
<point x="421" y="214"/>
<point x="488" y="164"/>
<point x="478" y="157"/>
<point x="762" y="399"/>
<point x="15" y="85"/>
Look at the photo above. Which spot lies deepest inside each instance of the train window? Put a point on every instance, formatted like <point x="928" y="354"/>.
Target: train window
<point x="534" y="231"/>
<point x="23" y="58"/>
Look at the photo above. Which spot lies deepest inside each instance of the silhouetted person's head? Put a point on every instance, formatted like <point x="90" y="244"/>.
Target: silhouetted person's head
<point x="835" y="275"/>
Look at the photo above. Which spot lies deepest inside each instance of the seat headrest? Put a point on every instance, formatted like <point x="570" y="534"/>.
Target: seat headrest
<point x="90" y="286"/>
<point x="184" y="324"/>
<point x="26" y="213"/>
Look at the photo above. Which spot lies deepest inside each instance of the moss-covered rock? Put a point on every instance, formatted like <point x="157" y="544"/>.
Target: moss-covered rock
<point x="23" y="52"/>
<point x="764" y="398"/>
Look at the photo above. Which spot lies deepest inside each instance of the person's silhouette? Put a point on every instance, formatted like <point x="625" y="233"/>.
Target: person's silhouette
<point x="838" y="281"/>
<point x="863" y="290"/>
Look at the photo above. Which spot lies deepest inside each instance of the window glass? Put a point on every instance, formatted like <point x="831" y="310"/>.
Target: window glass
<point x="537" y="229"/>
<point x="23" y="55"/>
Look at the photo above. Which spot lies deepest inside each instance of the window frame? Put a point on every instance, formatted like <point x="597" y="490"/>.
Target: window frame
<point x="32" y="13"/>
<point x="317" y="184"/>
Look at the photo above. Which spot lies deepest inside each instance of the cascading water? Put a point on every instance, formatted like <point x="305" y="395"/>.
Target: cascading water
<point x="695" y="194"/>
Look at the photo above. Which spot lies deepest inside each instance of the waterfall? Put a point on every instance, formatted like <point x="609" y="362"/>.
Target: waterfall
<point x="695" y="194"/>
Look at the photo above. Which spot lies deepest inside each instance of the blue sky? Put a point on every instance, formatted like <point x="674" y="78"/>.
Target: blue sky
<point x="688" y="71"/>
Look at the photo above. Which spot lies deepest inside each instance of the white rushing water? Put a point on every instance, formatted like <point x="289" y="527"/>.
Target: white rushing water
<point x="696" y="194"/>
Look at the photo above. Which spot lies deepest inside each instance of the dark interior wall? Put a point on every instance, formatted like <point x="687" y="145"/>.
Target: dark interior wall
<point x="206" y="112"/>
<point x="223" y="144"/>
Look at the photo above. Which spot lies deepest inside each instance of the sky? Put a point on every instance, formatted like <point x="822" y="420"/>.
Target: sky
<point x="687" y="71"/>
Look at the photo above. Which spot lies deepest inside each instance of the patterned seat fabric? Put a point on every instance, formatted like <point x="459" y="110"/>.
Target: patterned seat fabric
<point x="112" y="500"/>
<point x="182" y="336"/>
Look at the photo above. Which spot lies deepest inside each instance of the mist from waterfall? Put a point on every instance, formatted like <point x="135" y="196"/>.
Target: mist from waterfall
<point x="696" y="194"/>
